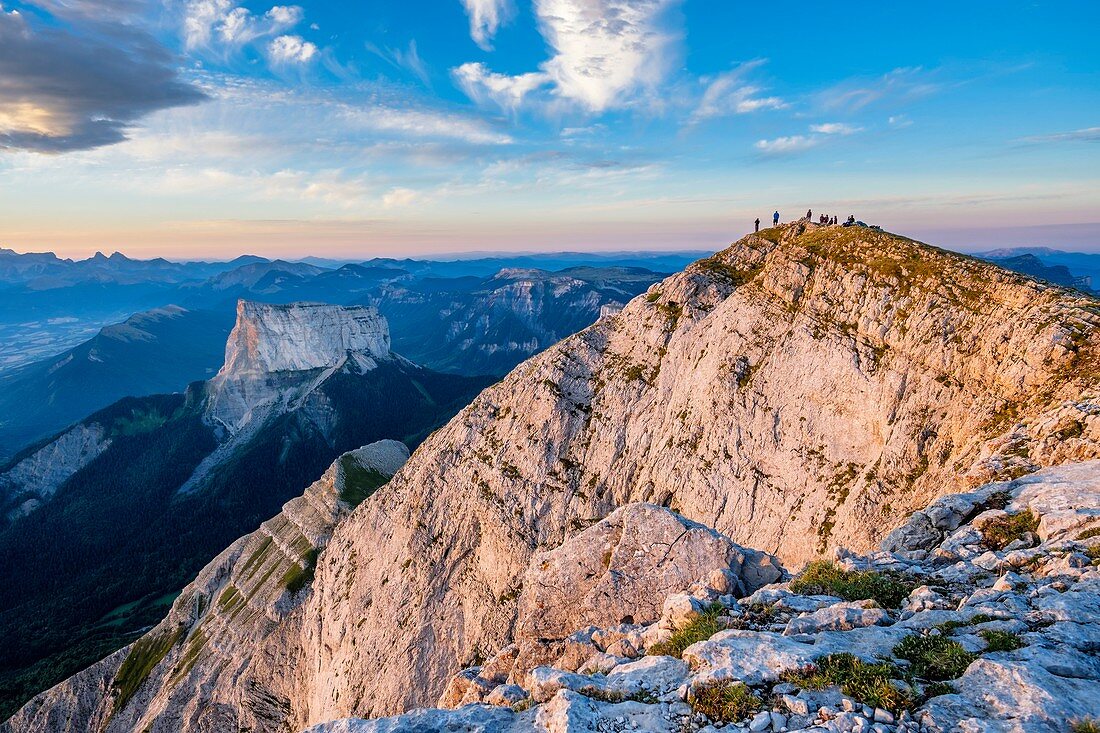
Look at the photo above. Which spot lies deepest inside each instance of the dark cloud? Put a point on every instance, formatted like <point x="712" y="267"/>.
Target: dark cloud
<point x="73" y="82"/>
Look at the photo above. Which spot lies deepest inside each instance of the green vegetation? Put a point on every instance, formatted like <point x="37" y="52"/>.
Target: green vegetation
<point x="755" y="616"/>
<point x="1087" y="725"/>
<point x="935" y="689"/>
<point x="1000" y="532"/>
<point x="717" y="268"/>
<point x="934" y="658"/>
<point x="144" y="656"/>
<point x="701" y="629"/>
<point x="1093" y="553"/>
<point x="359" y="482"/>
<point x="1000" y="641"/>
<point x="301" y="573"/>
<point x="871" y="684"/>
<point x="822" y="577"/>
<point x="1088" y="534"/>
<point x="948" y="627"/>
<point x="724" y="701"/>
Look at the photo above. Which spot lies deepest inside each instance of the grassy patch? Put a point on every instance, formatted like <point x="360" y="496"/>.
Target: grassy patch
<point x="301" y="573"/>
<point x="1093" y="553"/>
<point x="717" y="268"/>
<point x="822" y="577"/>
<point x="700" y="629"/>
<point x="1000" y="532"/>
<point x="359" y="482"/>
<point x="724" y="701"/>
<point x="754" y="617"/>
<point x="869" y="683"/>
<point x="1087" y="725"/>
<point x="934" y="658"/>
<point x="146" y="653"/>
<point x="1000" y="641"/>
<point x="1088" y="534"/>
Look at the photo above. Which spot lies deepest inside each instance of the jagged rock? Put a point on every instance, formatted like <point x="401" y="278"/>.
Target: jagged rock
<point x="840" y="617"/>
<point x="617" y="570"/>
<point x="271" y="346"/>
<point x="919" y="533"/>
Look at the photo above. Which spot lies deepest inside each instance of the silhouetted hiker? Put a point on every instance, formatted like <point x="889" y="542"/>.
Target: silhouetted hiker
<point x="851" y="220"/>
<point x="775" y="219"/>
<point x="809" y="214"/>
<point x="758" y="223"/>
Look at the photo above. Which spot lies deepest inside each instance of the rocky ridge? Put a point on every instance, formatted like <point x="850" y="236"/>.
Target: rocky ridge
<point x="988" y="632"/>
<point x="805" y="383"/>
<point x="240" y="597"/>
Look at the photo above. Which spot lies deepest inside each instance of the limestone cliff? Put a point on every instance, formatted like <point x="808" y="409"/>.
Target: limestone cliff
<point x="272" y="346"/>
<point x="803" y="389"/>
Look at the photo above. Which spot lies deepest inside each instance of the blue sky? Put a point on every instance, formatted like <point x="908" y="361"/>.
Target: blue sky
<point x="212" y="127"/>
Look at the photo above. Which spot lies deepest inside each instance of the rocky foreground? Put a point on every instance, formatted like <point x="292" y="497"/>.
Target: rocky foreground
<point x="979" y="614"/>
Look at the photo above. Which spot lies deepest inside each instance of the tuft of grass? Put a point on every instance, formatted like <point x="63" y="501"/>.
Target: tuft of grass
<point x="754" y="617"/>
<point x="724" y="701"/>
<point x="1085" y="725"/>
<point x="935" y="689"/>
<point x="934" y="658"/>
<point x="871" y="684"/>
<point x="822" y="577"/>
<point x="999" y="532"/>
<point x="1089" y="534"/>
<point x="701" y="629"/>
<point x="1001" y="641"/>
<point x="146" y="653"/>
<point x="300" y="573"/>
<point x="359" y="482"/>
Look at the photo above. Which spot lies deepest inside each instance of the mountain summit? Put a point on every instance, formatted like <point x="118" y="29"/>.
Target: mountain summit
<point x="301" y="336"/>
<point x="279" y="353"/>
<point x="800" y="391"/>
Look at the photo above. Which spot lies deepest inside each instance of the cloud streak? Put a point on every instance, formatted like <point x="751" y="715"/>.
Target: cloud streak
<point x="65" y="87"/>
<point x="729" y="94"/>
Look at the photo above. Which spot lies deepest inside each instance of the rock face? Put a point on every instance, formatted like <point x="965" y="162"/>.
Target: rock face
<point x="804" y="388"/>
<point x="236" y="601"/>
<point x="1024" y="634"/>
<point x="272" y="346"/>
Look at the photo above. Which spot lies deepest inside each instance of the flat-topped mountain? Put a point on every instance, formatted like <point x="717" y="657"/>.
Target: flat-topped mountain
<point x="800" y="391"/>
<point x="301" y="336"/>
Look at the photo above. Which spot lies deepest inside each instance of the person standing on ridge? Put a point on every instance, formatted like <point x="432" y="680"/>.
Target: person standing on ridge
<point x="775" y="219"/>
<point x="809" y="214"/>
<point x="758" y="223"/>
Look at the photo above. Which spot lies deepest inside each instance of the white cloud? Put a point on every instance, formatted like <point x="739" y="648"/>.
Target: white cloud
<point x="291" y="49"/>
<point x="1087" y="134"/>
<point x="408" y="60"/>
<point x="398" y="197"/>
<point x="486" y="16"/>
<point x="835" y="128"/>
<point x="605" y="51"/>
<point x="425" y="123"/>
<point x="728" y="94"/>
<point x="507" y="92"/>
<point x="790" y="144"/>
<point x="206" y="21"/>
<point x="899" y="85"/>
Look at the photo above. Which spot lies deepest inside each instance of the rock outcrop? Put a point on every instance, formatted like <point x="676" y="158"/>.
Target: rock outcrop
<point x="1013" y="631"/>
<point x="805" y="388"/>
<point x="235" y="604"/>
<point x="271" y="347"/>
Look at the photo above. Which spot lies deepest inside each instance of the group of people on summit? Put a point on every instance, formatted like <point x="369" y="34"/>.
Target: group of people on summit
<point x="824" y="219"/>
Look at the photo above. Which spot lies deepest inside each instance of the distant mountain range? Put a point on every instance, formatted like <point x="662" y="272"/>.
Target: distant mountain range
<point x="467" y="324"/>
<point x="49" y="304"/>
<point x="1072" y="269"/>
